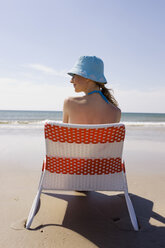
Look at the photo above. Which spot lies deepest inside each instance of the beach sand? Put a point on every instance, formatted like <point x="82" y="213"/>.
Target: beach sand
<point x="79" y="219"/>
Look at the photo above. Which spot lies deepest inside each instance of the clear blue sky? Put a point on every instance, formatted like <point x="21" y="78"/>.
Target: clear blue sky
<point x="41" y="40"/>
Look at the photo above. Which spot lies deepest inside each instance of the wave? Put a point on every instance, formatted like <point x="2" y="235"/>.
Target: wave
<point x="145" y="124"/>
<point x="19" y="123"/>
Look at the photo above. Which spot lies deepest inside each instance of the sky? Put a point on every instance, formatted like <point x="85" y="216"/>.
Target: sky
<point x="40" y="40"/>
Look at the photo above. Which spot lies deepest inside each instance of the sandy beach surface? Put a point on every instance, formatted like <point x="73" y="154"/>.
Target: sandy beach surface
<point x="81" y="219"/>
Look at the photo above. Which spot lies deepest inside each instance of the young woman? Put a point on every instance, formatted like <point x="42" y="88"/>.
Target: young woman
<point x="97" y="106"/>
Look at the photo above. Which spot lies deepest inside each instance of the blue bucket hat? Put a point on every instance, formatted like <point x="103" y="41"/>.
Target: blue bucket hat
<point x="90" y="67"/>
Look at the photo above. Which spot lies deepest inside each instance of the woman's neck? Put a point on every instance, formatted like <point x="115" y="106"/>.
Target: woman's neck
<point x="90" y="89"/>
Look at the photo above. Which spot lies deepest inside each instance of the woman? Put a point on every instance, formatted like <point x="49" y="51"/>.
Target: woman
<point x="97" y="106"/>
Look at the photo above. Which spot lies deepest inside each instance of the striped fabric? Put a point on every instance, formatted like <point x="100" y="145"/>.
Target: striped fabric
<point x="84" y="150"/>
<point x="84" y="158"/>
<point x="84" y="135"/>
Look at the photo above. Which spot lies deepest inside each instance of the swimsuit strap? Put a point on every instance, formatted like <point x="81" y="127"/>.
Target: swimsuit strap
<point x="101" y="94"/>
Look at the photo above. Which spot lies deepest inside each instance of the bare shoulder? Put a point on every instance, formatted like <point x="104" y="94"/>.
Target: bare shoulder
<point x="69" y="101"/>
<point x="73" y="100"/>
<point x="70" y="107"/>
<point x="67" y="106"/>
<point x="116" y="113"/>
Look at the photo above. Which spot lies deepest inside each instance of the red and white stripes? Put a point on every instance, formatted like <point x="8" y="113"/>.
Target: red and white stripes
<point x="81" y="151"/>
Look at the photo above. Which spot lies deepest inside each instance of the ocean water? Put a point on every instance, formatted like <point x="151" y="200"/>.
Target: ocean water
<point x="14" y="117"/>
<point x="139" y="126"/>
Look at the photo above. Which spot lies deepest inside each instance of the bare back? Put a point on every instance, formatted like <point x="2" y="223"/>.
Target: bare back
<point x="90" y="109"/>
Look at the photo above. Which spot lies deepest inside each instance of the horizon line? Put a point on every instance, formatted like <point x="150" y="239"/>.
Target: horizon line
<point x="28" y="110"/>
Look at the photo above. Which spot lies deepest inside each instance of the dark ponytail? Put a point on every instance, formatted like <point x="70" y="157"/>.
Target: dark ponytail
<point x="107" y="93"/>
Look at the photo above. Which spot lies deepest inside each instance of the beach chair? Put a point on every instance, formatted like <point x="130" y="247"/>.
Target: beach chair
<point x="83" y="158"/>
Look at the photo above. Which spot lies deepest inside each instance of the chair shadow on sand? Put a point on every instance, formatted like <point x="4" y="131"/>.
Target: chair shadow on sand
<point x="104" y="220"/>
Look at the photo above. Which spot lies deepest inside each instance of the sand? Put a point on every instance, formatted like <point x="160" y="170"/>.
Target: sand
<point x="80" y="219"/>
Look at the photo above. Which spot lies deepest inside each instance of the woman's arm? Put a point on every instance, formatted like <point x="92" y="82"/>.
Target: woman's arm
<point x="65" y="112"/>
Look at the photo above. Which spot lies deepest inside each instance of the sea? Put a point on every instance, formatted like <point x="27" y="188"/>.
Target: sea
<point x="37" y="118"/>
<point x="139" y="126"/>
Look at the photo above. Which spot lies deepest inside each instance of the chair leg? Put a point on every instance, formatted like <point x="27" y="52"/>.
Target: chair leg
<point x="131" y="211"/>
<point x="35" y="202"/>
<point x="33" y="209"/>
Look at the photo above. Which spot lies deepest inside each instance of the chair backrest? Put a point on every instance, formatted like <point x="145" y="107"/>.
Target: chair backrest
<point x="83" y="157"/>
<point x="84" y="149"/>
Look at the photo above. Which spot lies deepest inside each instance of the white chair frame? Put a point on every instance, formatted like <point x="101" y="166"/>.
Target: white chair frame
<point x="56" y="181"/>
